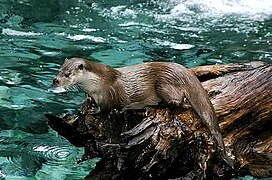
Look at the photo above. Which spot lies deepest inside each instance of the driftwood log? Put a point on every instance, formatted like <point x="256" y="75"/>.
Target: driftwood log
<point x="165" y="143"/>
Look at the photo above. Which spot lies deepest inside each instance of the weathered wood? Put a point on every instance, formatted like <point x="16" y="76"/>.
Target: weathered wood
<point x="243" y="104"/>
<point x="163" y="143"/>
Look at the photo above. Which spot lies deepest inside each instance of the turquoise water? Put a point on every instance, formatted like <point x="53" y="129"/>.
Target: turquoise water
<point x="37" y="35"/>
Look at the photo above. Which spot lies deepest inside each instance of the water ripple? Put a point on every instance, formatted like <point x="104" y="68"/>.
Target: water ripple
<point x="55" y="154"/>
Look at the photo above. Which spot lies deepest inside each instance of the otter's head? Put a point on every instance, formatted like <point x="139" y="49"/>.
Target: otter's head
<point x="88" y="75"/>
<point x="71" y="73"/>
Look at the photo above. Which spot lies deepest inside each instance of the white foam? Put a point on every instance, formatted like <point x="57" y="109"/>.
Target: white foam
<point x="249" y="8"/>
<point x="189" y="11"/>
<point x="2" y="175"/>
<point x="173" y="45"/>
<point x="81" y="37"/>
<point x="129" y="13"/>
<point x="117" y="9"/>
<point x="181" y="46"/>
<point x="11" y="32"/>
<point x="130" y="23"/>
<point x="89" y="30"/>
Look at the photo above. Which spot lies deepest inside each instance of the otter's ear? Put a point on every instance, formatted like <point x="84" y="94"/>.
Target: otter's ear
<point x="80" y="67"/>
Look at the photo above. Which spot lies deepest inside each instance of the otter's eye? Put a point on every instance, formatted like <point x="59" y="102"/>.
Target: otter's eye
<point x="80" y="66"/>
<point x="67" y="75"/>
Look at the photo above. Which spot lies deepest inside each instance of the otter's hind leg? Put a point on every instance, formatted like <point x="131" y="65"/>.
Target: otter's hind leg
<point x="172" y="95"/>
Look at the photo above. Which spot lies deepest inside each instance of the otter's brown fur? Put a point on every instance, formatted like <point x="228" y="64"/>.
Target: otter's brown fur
<point x="138" y="86"/>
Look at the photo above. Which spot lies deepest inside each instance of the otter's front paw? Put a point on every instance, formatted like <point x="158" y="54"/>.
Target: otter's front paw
<point x="89" y="106"/>
<point x="94" y="110"/>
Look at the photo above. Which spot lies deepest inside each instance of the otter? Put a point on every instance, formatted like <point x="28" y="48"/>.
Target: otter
<point x="139" y="86"/>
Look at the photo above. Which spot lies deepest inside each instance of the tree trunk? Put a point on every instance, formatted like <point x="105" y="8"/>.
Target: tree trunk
<point x="166" y="143"/>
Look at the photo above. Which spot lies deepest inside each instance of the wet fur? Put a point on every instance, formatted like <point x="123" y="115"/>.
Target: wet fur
<point x="146" y="84"/>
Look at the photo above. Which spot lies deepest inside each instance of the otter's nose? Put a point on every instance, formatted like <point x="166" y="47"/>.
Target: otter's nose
<point x="55" y="81"/>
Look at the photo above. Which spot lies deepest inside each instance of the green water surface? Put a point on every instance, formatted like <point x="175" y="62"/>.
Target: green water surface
<point x="37" y="35"/>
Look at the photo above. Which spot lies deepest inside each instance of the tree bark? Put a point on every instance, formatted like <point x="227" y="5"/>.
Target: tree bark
<point x="167" y="143"/>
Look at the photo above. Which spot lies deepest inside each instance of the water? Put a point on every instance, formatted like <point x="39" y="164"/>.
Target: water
<point x="36" y="36"/>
